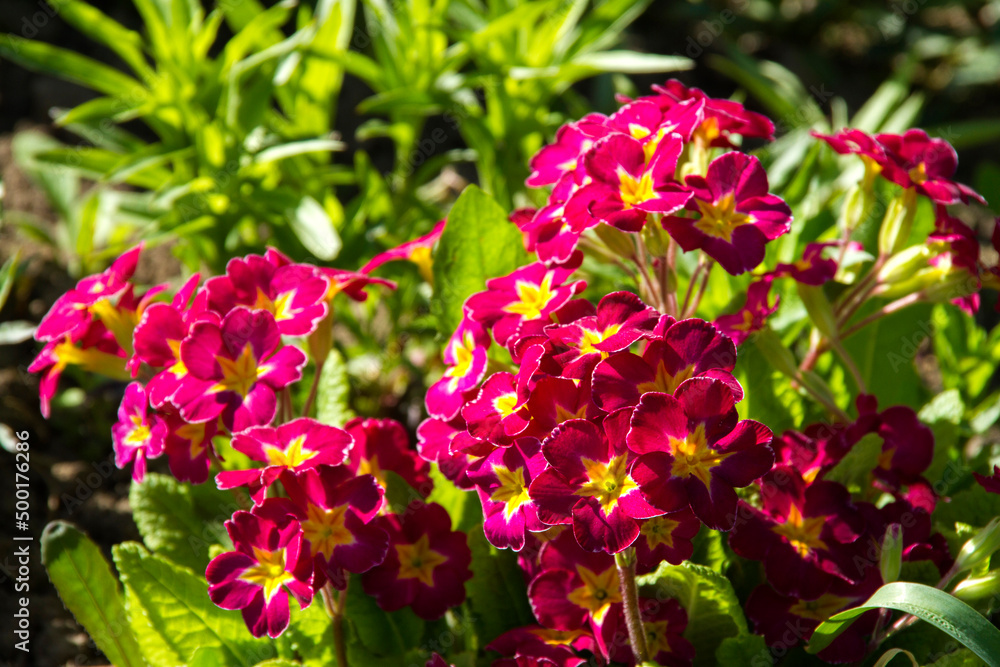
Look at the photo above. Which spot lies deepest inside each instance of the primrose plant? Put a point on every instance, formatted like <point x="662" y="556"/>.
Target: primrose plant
<point x="605" y="431"/>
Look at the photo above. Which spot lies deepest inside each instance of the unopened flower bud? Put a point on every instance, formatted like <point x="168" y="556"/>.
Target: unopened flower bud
<point x="972" y="590"/>
<point x="819" y="309"/>
<point x="617" y="241"/>
<point x="891" y="559"/>
<point x="897" y="223"/>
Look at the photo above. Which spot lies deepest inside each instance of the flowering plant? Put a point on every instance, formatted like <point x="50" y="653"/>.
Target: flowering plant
<point x="654" y="439"/>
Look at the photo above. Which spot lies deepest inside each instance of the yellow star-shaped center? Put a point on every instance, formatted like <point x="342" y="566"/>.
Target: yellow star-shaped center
<point x="719" y="219"/>
<point x="269" y="572"/>
<point x="238" y="374"/>
<point x="598" y="592"/>
<point x="418" y="560"/>
<point x="532" y="298"/>
<point x="324" y="529"/>
<point x="513" y="489"/>
<point x="802" y="533"/>
<point x="607" y="481"/>
<point x="693" y="456"/>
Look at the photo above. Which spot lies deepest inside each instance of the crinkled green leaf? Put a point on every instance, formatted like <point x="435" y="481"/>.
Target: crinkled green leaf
<point x="89" y="589"/>
<point x="172" y="603"/>
<point x="334" y="391"/>
<point x="744" y="649"/>
<point x="714" y="612"/>
<point x="179" y="520"/>
<point x="374" y="636"/>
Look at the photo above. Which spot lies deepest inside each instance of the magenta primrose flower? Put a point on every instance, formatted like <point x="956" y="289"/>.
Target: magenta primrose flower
<point x="590" y="486"/>
<point x="268" y="565"/>
<point x="465" y="355"/>
<point x="562" y="157"/>
<point x="335" y="509"/>
<point x="736" y="215"/>
<point x="383" y="445"/>
<point x="417" y="251"/>
<point x="625" y="186"/>
<point x="754" y="313"/>
<point x="137" y="435"/>
<point x="531" y="293"/>
<point x="502" y="479"/>
<point x="664" y="622"/>
<point x="294" y="294"/>
<point x="693" y="450"/>
<point x="234" y="369"/>
<point x="291" y="448"/>
<point x="188" y="446"/>
<point x="686" y="349"/>
<point x="426" y="566"/>
<point x="722" y="118"/>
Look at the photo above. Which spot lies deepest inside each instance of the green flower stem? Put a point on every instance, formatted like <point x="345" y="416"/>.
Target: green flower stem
<point x="335" y="610"/>
<point x="625" y="561"/>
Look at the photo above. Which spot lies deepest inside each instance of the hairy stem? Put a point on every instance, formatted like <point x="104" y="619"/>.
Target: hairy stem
<point x="630" y="602"/>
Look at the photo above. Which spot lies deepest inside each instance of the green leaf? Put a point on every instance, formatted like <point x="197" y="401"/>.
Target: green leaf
<point x="334" y="391"/>
<point x="632" y="62"/>
<point x="309" y="636"/>
<point x="478" y="243"/>
<point x="497" y="594"/>
<point x="172" y="602"/>
<point x="714" y="612"/>
<point x="855" y="469"/>
<point x="181" y="521"/>
<point x="375" y="635"/>
<point x="929" y="604"/>
<point x="7" y="272"/>
<point x="744" y="649"/>
<point x="889" y="655"/>
<point x="89" y="589"/>
<point x="68" y="65"/>
<point x="314" y="228"/>
<point x="100" y="28"/>
<point x="463" y="507"/>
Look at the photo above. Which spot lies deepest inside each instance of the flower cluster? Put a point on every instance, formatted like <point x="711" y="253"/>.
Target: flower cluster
<point x="217" y="361"/>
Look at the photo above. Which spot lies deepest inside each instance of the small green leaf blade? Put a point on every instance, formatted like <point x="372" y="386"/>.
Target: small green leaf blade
<point x="938" y="608"/>
<point x="333" y="392"/>
<point x="89" y="589"/>
<point x="497" y="594"/>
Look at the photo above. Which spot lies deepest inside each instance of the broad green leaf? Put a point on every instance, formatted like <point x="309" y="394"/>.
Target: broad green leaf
<point x="973" y="506"/>
<point x="938" y="608"/>
<point x="855" y="469"/>
<point x="714" y="612"/>
<point x="172" y="602"/>
<point x="314" y="228"/>
<point x="309" y="636"/>
<point x="478" y="243"/>
<point x="89" y="589"/>
<point x="961" y="658"/>
<point x="180" y="520"/>
<point x="744" y="649"/>
<point x="497" y="594"/>
<point x="334" y="392"/>
<point x="68" y="65"/>
<point x="207" y="656"/>
<point x="375" y="636"/>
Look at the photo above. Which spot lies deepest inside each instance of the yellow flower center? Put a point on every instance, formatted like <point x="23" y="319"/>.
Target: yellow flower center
<point x="656" y="637"/>
<point x="512" y="490"/>
<point x="821" y="608"/>
<point x="505" y="404"/>
<point x="418" y="560"/>
<point x="139" y="433"/>
<point x="324" y="529"/>
<point x="719" y="219"/>
<point x="598" y="592"/>
<point x="532" y="299"/>
<point x="918" y="174"/>
<point x="195" y="433"/>
<point x="291" y="456"/>
<point x="421" y="256"/>
<point x="747" y="322"/>
<point x="462" y="353"/>
<point x="666" y="382"/>
<point x="269" y="572"/>
<point x="607" y="482"/>
<point x="178" y="369"/>
<point x="591" y="337"/>
<point x="635" y="191"/>
<point x="238" y="375"/>
<point x="370" y="466"/>
<point x="802" y="533"/>
<point x="659" y="530"/>
<point x="693" y="456"/>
